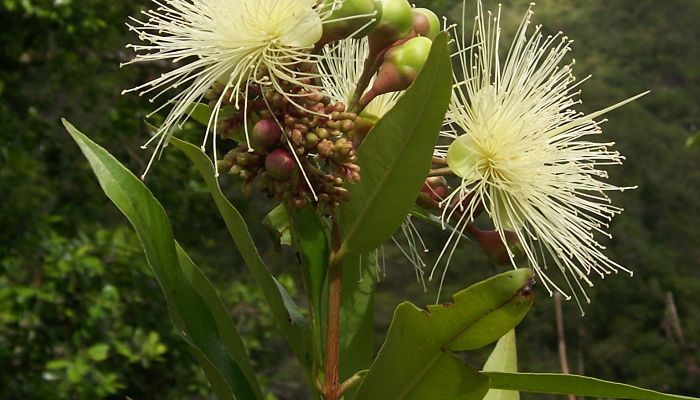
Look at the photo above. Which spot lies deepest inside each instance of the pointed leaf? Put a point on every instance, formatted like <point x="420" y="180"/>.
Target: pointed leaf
<point x="230" y="374"/>
<point x="396" y="156"/>
<point x="574" y="384"/>
<point x="503" y="358"/>
<point x="287" y="315"/>
<point x="227" y="329"/>
<point x="309" y="234"/>
<point x="357" y="316"/>
<point x="416" y="357"/>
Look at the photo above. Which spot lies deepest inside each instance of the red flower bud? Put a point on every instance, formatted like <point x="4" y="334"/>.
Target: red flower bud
<point x="493" y="245"/>
<point x="280" y="164"/>
<point x="265" y="134"/>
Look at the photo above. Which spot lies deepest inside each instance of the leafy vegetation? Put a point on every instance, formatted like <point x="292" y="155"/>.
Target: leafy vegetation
<point x="79" y="314"/>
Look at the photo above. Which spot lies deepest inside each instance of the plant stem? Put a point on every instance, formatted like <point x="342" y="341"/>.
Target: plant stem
<point x="563" y="360"/>
<point x="439" y="160"/>
<point x="350" y="382"/>
<point x="331" y="365"/>
<point x="446" y="171"/>
<point x="371" y="67"/>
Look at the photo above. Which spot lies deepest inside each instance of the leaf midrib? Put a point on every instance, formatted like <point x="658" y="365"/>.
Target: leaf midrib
<point x="385" y="176"/>
<point x="443" y="347"/>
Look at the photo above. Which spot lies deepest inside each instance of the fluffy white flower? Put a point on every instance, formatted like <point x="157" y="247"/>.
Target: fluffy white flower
<point x="523" y="153"/>
<point x="237" y="43"/>
<point x="340" y="70"/>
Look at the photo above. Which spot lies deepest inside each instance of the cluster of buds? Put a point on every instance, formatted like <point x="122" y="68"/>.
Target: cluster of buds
<point x="297" y="145"/>
<point x="296" y="153"/>
<point x="399" y="46"/>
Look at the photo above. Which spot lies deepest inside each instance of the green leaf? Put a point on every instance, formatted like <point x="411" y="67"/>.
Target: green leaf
<point x="357" y="316"/>
<point x="287" y="315"/>
<point x="58" y="364"/>
<point x="396" y="156"/>
<point x="416" y="358"/>
<point x="573" y="384"/>
<point x="228" y="333"/>
<point x="231" y="377"/>
<point x="309" y="233"/>
<point x="98" y="352"/>
<point x="277" y="221"/>
<point x="503" y="358"/>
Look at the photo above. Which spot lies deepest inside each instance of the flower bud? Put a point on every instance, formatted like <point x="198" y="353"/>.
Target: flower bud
<point x="354" y="18"/>
<point x="396" y="22"/>
<point x="401" y="66"/>
<point x="434" y="190"/>
<point x="265" y="134"/>
<point x="280" y="164"/>
<point x="311" y="141"/>
<point x="362" y="127"/>
<point x="223" y="165"/>
<point x="425" y="23"/>
<point x="436" y="187"/>
<point x="493" y="245"/>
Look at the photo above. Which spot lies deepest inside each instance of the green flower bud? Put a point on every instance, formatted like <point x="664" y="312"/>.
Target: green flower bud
<point x="311" y="141"/>
<point x="395" y="23"/>
<point x="223" y="165"/>
<point x="280" y="164"/>
<point x="265" y="134"/>
<point x="362" y="127"/>
<point x="354" y="18"/>
<point x="425" y="23"/>
<point x="409" y="57"/>
<point x="322" y="133"/>
<point x="401" y="66"/>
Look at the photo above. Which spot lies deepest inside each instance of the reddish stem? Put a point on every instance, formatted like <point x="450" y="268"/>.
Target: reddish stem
<point x="331" y="383"/>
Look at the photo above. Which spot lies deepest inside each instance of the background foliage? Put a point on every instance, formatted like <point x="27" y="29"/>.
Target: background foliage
<point x="82" y="318"/>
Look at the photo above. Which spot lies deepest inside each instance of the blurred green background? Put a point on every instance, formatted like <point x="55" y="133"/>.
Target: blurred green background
<point x="81" y="316"/>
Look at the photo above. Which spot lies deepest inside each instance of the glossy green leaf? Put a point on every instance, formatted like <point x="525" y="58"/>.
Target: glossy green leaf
<point x="396" y="156"/>
<point x="503" y="358"/>
<point x="357" y="316"/>
<point x="574" y="384"/>
<point x="230" y="373"/>
<point x="309" y="234"/>
<point x="416" y="357"/>
<point x="287" y="314"/>
<point x="228" y="332"/>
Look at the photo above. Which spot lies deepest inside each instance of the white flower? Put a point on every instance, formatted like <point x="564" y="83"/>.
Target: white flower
<point x="340" y="70"/>
<point x="237" y="43"/>
<point x="524" y="154"/>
